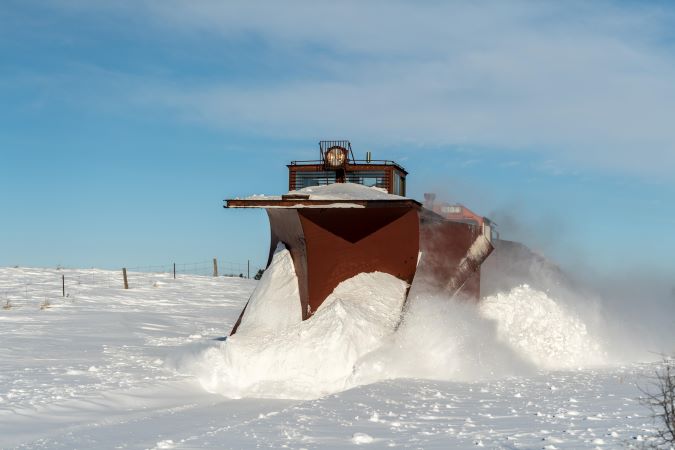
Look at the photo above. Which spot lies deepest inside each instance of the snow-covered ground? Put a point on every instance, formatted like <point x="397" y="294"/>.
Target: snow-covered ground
<point x="106" y="367"/>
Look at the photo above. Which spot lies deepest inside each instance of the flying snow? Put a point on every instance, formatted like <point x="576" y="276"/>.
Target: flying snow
<point x="358" y="336"/>
<point x="541" y="330"/>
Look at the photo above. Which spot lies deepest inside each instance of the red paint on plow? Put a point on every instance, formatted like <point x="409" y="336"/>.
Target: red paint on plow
<point x="333" y="235"/>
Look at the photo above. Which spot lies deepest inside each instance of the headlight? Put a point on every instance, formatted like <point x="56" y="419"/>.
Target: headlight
<point x="335" y="156"/>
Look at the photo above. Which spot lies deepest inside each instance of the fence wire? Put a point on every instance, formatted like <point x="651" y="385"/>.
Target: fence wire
<point x="43" y="288"/>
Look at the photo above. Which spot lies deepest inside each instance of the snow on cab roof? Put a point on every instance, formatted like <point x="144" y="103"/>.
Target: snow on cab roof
<point x="337" y="191"/>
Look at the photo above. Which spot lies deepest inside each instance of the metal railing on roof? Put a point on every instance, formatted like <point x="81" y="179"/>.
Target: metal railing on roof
<point x="385" y="162"/>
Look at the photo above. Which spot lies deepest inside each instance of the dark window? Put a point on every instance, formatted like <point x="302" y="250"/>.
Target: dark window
<point x="377" y="178"/>
<point x="307" y="179"/>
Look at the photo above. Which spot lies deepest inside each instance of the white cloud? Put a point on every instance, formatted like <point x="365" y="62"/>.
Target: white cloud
<point x="584" y="84"/>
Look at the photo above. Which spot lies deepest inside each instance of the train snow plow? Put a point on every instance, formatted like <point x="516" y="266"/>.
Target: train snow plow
<point x="343" y="217"/>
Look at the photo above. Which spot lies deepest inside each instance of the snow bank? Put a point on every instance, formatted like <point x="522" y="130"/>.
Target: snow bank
<point x="306" y="359"/>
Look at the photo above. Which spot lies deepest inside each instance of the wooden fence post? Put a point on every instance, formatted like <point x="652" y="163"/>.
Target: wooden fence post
<point x="215" y="267"/>
<point x="124" y="273"/>
<point x="174" y="271"/>
<point x="63" y="285"/>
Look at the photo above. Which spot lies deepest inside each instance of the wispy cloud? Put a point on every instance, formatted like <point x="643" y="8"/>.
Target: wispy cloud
<point x="584" y="84"/>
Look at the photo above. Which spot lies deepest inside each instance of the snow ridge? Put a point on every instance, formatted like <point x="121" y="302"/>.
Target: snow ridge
<point x="302" y="359"/>
<point x="353" y="338"/>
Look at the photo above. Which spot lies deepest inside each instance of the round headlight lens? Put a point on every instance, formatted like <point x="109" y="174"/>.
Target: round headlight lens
<point x="335" y="156"/>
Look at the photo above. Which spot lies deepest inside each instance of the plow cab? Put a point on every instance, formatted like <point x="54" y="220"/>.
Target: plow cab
<point x="343" y="216"/>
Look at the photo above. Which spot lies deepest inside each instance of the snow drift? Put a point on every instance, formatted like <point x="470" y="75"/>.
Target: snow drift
<point x="357" y="337"/>
<point x="300" y="359"/>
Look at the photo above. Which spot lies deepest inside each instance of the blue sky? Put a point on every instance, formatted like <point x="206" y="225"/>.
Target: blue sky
<point x="124" y="125"/>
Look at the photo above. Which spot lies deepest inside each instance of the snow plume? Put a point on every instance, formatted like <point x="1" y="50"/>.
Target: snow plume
<point x="541" y="330"/>
<point x="509" y="333"/>
<point x="356" y="337"/>
<point x="638" y="313"/>
<point x="301" y="359"/>
<point x="630" y="312"/>
<point x="440" y="338"/>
